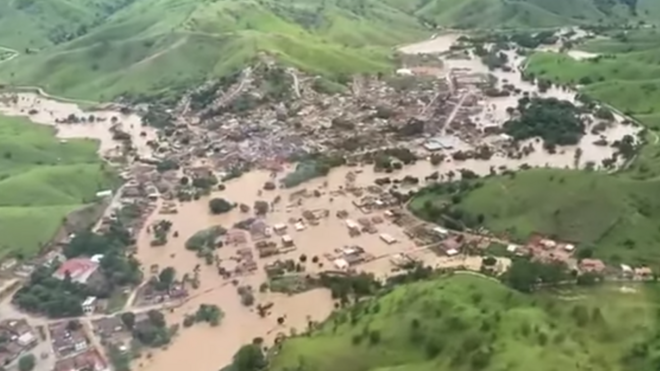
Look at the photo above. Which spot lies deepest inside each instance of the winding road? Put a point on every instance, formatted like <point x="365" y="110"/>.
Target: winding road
<point x="39" y="90"/>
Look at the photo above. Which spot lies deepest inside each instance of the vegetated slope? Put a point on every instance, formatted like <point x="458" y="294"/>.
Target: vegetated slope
<point x="35" y="24"/>
<point x="153" y="46"/>
<point x="471" y="323"/>
<point x="42" y="179"/>
<point x="528" y="13"/>
<point x="618" y="216"/>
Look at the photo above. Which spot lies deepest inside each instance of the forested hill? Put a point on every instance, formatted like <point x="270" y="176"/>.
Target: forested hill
<point x="100" y="49"/>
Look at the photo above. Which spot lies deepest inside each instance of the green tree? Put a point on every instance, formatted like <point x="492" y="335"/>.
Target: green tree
<point x="219" y="206"/>
<point x="249" y="358"/>
<point x="27" y="362"/>
<point x="166" y="277"/>
<point x="128" y="318"/>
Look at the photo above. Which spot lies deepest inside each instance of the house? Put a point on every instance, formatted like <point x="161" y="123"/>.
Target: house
<point x="89" y="305"/>
<point x="90" y="360"/>
<point x="107" y="327"/>
<point x="78" y="269"/>
<point x="287" y="241"/>
<point x="67" y="339"/>
<point x="591" y="265"/>
<point x="387" y="238"/>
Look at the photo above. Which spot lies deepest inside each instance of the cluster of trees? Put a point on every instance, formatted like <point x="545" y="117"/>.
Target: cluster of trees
<point x="152" y="332"/>
<point x="220" y="206"/>
<point x="118" y="267"/>
<point x="557" y="122"/>
<point x="626" y="147"/>
<point x="53" y="297"/>
<point x="346" y="287"/>
<point x="248" y="358"/>
<point x="205" y="313"/>
<point x="57" y="298"/>
<point x="312" y="166"/>
<point x="526" y="275"/>
<point x="165" y="279"/>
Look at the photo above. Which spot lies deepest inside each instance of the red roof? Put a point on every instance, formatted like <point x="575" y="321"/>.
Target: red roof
<point x="78" y="268"/>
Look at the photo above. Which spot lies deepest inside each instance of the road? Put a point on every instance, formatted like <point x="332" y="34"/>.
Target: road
<point x="454" y="112"/>
<point x="296" y="85"/>
<point x="40" y="90"/>
<point x="14" y="55"/>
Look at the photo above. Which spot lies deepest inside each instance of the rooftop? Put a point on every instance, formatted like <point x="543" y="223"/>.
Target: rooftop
<point x="79" y="269"/>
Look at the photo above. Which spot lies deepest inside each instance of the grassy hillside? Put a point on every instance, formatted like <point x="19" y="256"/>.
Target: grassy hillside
<point x="151" y="46"/>
<point x="617" y="215"/>
<point x="99" y="49"/>
<point x="42" y="179"/>
<point x="470" y="323"/>
<point x="529" y="13"/>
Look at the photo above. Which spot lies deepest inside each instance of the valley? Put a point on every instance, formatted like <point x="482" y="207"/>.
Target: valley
<point x="275" y="186"/>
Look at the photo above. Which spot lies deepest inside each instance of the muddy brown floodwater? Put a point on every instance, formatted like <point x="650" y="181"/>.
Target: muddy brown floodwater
<point x="206" y="348"/>
<point x="48" y="112"/>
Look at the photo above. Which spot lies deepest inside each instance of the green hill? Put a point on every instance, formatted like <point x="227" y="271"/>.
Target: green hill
<point x="42" y="179"/>
<point x="150" y="46"/>
<point x="471" y="323"/>
<point x="617" y="215"/>
<point x="100" y="49"/>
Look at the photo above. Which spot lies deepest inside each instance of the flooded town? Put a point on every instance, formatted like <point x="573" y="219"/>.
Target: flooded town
<point x="253" y="187"/>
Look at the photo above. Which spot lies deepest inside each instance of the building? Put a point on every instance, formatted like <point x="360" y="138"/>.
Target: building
<point x="90" y="360"/>
<point x="78" y="269"/>
<point x="67" y="339"/>
<point x="287" y="240"/>
<point x="89" y="305"/>
<point x="440" y="143"/>
<point x="387" y="238"/>
<point x="592" y="265"/>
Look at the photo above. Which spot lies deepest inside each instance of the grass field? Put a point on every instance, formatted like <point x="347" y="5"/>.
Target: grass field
<point x="470" y="323"/>
<point x="41" y="181"/>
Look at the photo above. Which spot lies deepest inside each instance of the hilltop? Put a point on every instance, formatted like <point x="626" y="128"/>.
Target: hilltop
<point x="470" y="323"/>
<point x="151" y="46"/>
<point x="103" y="49"/>
<point x="42" y="180"/>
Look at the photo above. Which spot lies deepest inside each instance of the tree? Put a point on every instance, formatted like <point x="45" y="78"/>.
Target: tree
<point x="166" y="277"/>
<point x="128" y="318"/>
<point x="219" y="206"/>
<point x="585" y="253"/>
<point x="156" y="318"/>
<point x="489" y="261"/>
<point x="261" y="207"/>
<point x="249" y="358"/>
<point x="27" y="362"/>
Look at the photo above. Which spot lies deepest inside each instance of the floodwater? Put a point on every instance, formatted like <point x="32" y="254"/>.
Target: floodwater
<point x="495" y="109"/>
<point x="47" y="111"/>
<point x="206" y="348"/>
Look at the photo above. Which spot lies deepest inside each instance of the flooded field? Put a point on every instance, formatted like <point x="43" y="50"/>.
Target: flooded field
<point x="495" y="108"/>
<point x="58" y="114"/>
